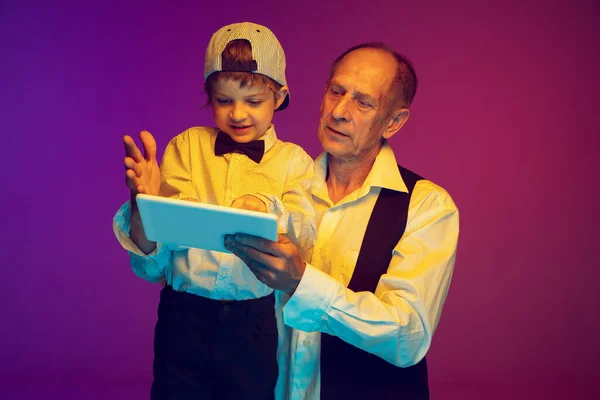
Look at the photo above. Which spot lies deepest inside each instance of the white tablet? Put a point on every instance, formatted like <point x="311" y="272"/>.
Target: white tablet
<point x="204" y="226"/>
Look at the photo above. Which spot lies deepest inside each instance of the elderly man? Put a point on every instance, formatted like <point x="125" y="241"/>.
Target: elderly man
<point x="385" y="252"/>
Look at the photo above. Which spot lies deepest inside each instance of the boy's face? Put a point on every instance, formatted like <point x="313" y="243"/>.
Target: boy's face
<point x="243" y="113"/>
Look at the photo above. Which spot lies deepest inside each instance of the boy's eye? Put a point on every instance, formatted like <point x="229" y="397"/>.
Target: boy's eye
<point x="255" y="102"/>
<point x="223" y="101"/>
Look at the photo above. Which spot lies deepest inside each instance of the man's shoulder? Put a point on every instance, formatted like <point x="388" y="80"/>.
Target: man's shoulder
<point x="429" y="195"/>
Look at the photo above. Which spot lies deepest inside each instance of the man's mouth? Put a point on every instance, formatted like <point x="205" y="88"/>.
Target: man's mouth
<point x="336" y="132"/>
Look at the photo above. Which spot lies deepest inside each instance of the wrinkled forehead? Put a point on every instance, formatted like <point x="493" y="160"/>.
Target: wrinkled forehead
<point x="369" y="71"/>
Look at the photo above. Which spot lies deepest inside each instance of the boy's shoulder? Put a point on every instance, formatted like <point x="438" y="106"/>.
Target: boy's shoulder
<point x="290" y="149"/>
<point x="197" y="132"/>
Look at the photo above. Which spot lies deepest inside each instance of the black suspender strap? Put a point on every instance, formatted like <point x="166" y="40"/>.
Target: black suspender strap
<point x="347" y="371"/>
<point x="385" y="228"/>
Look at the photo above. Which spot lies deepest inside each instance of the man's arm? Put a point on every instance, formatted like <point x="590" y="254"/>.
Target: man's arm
<point x="398" y="320"/>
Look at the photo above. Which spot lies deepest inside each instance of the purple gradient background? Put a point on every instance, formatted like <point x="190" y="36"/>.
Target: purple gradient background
<point x="504" y="119"/>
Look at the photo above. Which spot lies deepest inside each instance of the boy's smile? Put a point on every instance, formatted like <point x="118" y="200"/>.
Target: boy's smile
<point x="243" y="113"/>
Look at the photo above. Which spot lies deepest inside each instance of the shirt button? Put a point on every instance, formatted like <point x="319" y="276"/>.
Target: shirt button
<point x="226" y="309"/>
<point x="320" y="251"/>
<point x="306" y="342"/>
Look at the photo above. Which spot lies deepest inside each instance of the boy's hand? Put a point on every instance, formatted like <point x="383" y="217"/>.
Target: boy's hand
<point x="249" y="202"/>
<point x="142" y="173"/>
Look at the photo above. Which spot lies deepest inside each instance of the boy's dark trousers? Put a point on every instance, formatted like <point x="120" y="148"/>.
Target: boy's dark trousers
<point x="211" y="349"/>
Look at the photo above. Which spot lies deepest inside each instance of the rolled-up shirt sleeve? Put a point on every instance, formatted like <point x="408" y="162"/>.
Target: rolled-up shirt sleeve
<point x="151" y="266"/>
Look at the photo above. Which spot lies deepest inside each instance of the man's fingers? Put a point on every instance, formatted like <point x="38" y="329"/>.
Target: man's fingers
<point x="262" y="244"/>
<point x="281" y="238"/>
<point x="250" y="256"/>
<point x="149" y="145"/>
<point x="131" y="150"/>
<point x="241" y="254"/>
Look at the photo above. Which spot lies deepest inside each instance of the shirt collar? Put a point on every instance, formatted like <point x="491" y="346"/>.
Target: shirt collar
<point x="384" y="174"/>
<point x="270" y="137"/>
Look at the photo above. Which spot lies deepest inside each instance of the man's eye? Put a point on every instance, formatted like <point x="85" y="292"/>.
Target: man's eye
<point x="363" y="104"/>
<point x="335" y="92"/>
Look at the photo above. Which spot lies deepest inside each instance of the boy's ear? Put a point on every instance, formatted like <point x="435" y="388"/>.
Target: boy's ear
<point x="280" y="96"/>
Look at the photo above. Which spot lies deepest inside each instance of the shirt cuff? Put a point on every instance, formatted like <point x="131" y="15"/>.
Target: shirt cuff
<point x="307" y="308"/>
<point x="122" y="229"/>
<point x="275" y="207"/>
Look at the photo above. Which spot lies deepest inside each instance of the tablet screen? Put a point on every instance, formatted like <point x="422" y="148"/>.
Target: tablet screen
<point x="199" y="225"/>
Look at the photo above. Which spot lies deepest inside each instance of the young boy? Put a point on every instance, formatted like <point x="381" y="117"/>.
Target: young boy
<point x="217" y="331"/>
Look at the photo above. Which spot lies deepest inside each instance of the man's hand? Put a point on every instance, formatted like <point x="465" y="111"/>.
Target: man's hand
<point x="276" y="264"/>
<point x="249" y="202"/>
<point x="142" y="173"/>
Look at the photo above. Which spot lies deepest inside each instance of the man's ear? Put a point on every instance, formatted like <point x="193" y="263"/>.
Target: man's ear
<point x="280" y="96"/>
<point x="397" y="120"/>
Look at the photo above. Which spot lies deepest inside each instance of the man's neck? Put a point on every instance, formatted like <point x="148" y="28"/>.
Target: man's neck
<point x="346" y="176"/>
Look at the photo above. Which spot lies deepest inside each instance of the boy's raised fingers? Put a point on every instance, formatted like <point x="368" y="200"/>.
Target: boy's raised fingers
<point x="131" y="180"/>
<point x="131" y="150"/>
<point x="131" y="164"/>
<point x="149" y="145"/>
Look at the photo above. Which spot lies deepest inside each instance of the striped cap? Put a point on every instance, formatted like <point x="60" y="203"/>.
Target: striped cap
<point x="268" y="57"/>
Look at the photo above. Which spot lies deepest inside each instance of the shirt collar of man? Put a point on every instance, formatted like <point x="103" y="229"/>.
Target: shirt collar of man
<point x="383" y="174"/>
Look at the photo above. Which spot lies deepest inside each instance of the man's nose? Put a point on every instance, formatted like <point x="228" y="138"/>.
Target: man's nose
<point x="341" y="109"/>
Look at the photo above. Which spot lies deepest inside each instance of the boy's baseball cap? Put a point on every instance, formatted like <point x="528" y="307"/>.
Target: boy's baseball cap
<point x="268" y="57"/>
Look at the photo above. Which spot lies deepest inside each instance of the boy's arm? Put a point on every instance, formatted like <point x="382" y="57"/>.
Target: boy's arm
<point x="148" y="266"/>
<point x="149" y="259"/>
<point x="142" y="175"/>
<point x="295" y="208"/>
<point x="176" y="171"/>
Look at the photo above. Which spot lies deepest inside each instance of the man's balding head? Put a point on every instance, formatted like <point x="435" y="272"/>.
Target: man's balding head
<point x="404" y="84"/>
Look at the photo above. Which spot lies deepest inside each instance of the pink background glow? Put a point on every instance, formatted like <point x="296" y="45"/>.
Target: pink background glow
<point x="504" y="119"/>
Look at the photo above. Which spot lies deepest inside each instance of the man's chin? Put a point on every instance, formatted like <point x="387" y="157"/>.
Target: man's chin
<point x="334" y="148"/>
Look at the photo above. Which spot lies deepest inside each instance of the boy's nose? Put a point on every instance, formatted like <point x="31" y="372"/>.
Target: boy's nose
<point x="238" y="113"/>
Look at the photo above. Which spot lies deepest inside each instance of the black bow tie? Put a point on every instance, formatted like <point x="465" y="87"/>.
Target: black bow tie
<point x="254" y="150"/>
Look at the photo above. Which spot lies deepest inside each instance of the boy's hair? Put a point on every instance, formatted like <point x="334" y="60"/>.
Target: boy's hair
<point x="239" y="52"/>
<point x="251" y="49"/>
